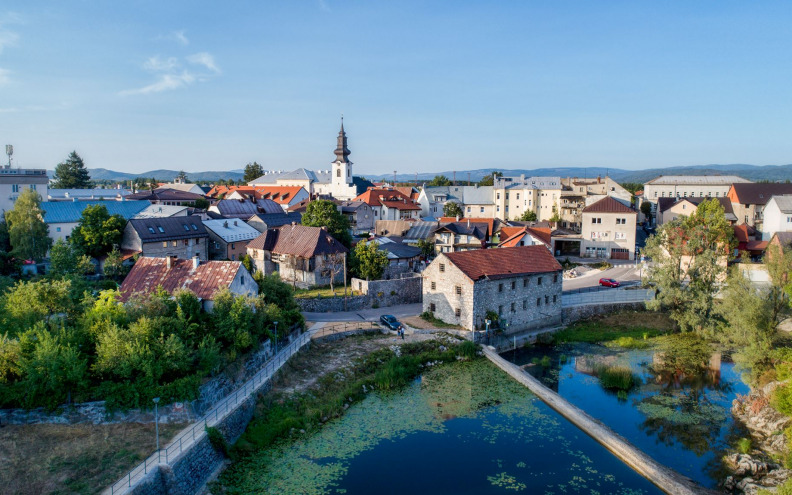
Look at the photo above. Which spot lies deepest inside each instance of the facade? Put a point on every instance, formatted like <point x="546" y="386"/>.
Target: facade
<point x="359" y="214"/>
<point x="166" y="196"/>
<point x="15" y="180"/>
<point x="476" y="201"/>
<point x="390" y="204"/>
<point x="777" y="216"/>
<point x="244" y="208"/>
<point x="516" y="195"/>
<point x="180" y="237"/>
<point x="95" y="194"/>
<point x="579" y="193"/>
<point x="338" y="181"/>
<point x="303" y="256"/>
<point x="284" y="196"/>
<point x="527" y="236"/>
<point x="460" y="236"/>
<point x="402" y="258"/>
<point x="62" y="216"/>
<point x="228" y="239"/>
<point x="204" y="279"/>
<point x="181" y="185"/>
<point x="749" y="200"/>
<point x="669" y="209"/>
<point x="686" y="186"/>
<point x="264" y="221"/>
<point x="522" y="285"/>
<point x="608" y="230"/>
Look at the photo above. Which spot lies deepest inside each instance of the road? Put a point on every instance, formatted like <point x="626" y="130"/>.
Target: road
<point x="622" y="273"/>
<point x="367" y="314"/>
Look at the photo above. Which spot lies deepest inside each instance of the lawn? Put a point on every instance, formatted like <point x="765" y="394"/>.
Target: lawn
<point x="323" y="292"/>
<point x="624" y="329"/>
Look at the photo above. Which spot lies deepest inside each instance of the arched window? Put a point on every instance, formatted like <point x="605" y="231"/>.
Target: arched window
<point x="338" y="172"/>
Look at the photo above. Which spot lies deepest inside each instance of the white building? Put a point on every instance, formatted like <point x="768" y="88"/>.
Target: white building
<point x="15" y="180"/>
<point x="777" y="216"/>
<point x="608" y="230"/>
<point x="516" y="195"/>
<point x="687" y="186"/>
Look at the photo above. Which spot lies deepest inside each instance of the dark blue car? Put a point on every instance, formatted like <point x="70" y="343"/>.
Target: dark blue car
<point x="390" y="321"/>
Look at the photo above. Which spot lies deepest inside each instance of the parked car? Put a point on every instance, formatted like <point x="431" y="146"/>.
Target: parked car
<point x="390" y="321"/>
<point x="609" y="282"/>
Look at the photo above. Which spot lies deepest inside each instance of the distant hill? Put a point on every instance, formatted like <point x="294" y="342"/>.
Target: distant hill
<point x="751" y="172"/>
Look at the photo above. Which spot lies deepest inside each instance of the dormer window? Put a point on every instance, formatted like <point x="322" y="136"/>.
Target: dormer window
<point x="162" y="231"/>
<point x="151" y="229"/>
<point x="186" y="227"/>
<point x="195" y="227"/>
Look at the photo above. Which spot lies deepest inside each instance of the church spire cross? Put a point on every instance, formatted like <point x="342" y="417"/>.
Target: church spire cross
<point x="342" y="152"/>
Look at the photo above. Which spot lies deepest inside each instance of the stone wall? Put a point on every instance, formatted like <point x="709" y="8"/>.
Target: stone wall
<point x="379" y="293"/>
<point x="96" y="413"/>
<point x="572" y="314"/>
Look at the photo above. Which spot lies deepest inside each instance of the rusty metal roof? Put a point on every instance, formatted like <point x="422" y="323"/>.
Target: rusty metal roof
<point x="504" y="262"/>
<point x="149" y="273"/>
<point x="298" y="240"/>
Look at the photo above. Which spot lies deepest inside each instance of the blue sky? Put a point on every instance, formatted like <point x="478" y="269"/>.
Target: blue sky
<point x="424" y="86"/>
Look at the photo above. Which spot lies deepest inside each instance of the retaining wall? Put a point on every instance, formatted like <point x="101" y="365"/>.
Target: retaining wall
<point x="382" y="293"/>
<point x="571" y="314"/>
<point x="665" y="478"/>
<point x="96" y="413"/>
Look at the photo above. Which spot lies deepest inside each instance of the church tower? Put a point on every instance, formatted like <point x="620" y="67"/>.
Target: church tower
<point x="342" y="167"/>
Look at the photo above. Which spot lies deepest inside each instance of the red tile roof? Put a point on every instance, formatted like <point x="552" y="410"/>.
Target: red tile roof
<point x="504" y="263"/>
<point x="514" y="240"/>
<point x="280" y="194"/>
<point x="216" y="191"/>
<point x="608" y="205"/>
<point x="204" y="281"/>
<point x="390" y="198"/>
<point x="297" y="240"/>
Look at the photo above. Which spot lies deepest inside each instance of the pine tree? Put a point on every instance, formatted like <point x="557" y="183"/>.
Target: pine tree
<point x="72" y="174"/>
<point x="253" y="171"/>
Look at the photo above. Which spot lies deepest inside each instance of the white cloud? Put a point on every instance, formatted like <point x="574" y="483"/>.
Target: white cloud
<point x="204" y="59"/>
<point x="180" y="38"/>
<point x="7" y="38"/>
<point x="166" y="82"/>
<point x="158" y="64"/>
<point x="4" y="76"/>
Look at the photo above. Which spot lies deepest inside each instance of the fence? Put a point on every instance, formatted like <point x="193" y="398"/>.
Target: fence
<point x="188" y="437"/>
<point x="598" y="288"/>
<point x="343" y="328"/>
<point x="608" y="297"/>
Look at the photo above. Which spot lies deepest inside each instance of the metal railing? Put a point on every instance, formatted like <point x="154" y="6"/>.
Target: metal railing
<point x="605" y="297"/>
<point x="189" y="437"/>
<point x="340" y="328"/>
<point x="597" y="288"/>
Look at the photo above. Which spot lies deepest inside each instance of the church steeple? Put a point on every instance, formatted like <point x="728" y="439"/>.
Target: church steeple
<point x="341" y="151"/>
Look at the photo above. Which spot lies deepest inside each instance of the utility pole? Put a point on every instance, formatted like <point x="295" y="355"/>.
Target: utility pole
<point x="454" y="177"/>
<point x="345" y="284"/>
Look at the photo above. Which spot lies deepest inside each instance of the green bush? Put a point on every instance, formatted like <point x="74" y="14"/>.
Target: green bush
<point x="781" y="399"/>
<point x="615" y="377"/>
<point x="468" y="349"/>
<point x="217" y="440"/>
<point x="744" y="445"/>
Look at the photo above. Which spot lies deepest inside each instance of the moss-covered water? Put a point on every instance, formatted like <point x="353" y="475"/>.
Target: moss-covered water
<point x="682" y="422"/>
<point x="460" y="428"/>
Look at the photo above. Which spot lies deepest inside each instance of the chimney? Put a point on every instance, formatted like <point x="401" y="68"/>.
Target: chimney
<point x="225" y="224"/>
<point x="457" y="218"/>
<point x="235" y="223"/>
<point x="169" y="262"/>
<point x="196" y="261"/>
<point x="468" y="222"/>
<point x="599" y="179"/>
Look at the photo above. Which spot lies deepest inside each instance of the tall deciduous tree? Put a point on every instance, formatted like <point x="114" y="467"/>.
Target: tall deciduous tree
<point x="489" y="180"/>
<point x="452" y="209"/>
<point x="646" y="209"/>
<point x="528" y="216"/>
<point x="26" y="228"/>
<point x="65" y="260"/>
<point x="324" y="213"/>
<point x="253" y="171"/>
<point x="369" y="260"/>
<point x="690" y="256"/>
<point x="98" y="231"/>
<point x="72" y="174"/>
<point x="439" y="180"/>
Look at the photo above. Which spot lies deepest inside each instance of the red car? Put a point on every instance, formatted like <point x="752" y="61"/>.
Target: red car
<point x="609" y="282"/>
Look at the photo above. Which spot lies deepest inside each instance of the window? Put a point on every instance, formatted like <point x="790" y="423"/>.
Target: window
<point x="186" y="242"/>
<point x="538" y="301"/>
<point x="468" y="209"/>
<point x="518" y="195"/>
<point x="151" y="229"/>
<point x="338" y="172"/>
<point x="539" y="281"/>
<point x="482" y="209"/>
<point x="547" y="299"/>
<point x="195" y="227"/>
<point x="525" y="303"/>
<point x="525" y="282"/>
<point x="458" y="312"/>
<point x="174" y="243"/>
<point x="57" y="229"/>
<point x="555" y="278"/>
<point x="623" y="221"/>
<point x="442" y="267"/>
<point x="620" y="236"/>
<point x="498" y="196"/>
<point x="15" y="188"/>
<point x="514" y="285"/>
<point x="432" y="307"/>
<point x="164" y="243"/>
<point x="500" y="310"/>
<point x="434" y="285"/>
<point x="186" y="228"/>
<point x="500" y="287"/>
<point x="162" y="231"/>
<point x="555" y="298"/>
<point x="197" y="241"/>
<point x="512" y="307"/>
<point x="507" y="195"/>
<point x="458" y="289"/>
<point x="33" y="186"/>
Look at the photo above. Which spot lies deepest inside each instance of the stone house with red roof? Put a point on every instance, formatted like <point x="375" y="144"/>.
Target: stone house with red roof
<point x="608" y="230"/>
<point x="204" y="279"/>
<point x="522" y="285"/>
<point x="390" y="204"/>
<point x="303" y="256"/>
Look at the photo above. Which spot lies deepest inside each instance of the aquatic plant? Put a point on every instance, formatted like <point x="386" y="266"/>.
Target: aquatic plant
<point x="544" y="361"/>
<point x="615" y="377"/>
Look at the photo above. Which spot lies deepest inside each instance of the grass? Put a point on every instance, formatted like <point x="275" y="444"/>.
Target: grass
<point x="629" y="329"/>
<point x="324" y="291"/>
<point x="744" y="445"/>
<point x="71" y="459"/>
<point x="615" y="377"/>
<point x="428" y="320"/>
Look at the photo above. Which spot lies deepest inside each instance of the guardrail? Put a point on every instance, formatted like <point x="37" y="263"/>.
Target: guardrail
<point x="189" y="437"/>
<point x="597" y="288"/>
<point x="605" y="297"/>
<point x="345" y="327"/>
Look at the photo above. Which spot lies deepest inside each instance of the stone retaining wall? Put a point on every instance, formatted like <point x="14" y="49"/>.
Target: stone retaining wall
<point x="96" y="413"/>
<point x="665" y="478"/>
<point x="376" y="293"/>
<point x="571" y="314"/>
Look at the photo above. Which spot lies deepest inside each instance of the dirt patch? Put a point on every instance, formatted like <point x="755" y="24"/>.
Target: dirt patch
<point x="418" y="322"/>
<point x="307" y="366"/>
<point x="647" y="319"/>
<point x="68" y="459"/>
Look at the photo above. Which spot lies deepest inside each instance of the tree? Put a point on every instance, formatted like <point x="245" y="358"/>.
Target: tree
<point x="114" y="265"/>
<point x="334" y="264"/>
<point x="27" y="231"/>
<point x="556" y="217"/>
<point x="29" y="302"/>
<point x="66" y="260"/>
<point x="646" y="209"/>
<point x="439" y="180"/>
<point x="97" y="231"/>
<point x="201" y="203"/>
<point x="427" y="248"/>
<point x="632" y="187"/>
<point x="528" y="216"/>
<point x="689" y="256"/>
<point x="5" y="238"/>
<point x="72" y="174"/>
<point x="453" y="209"/>
<point x="489" y="180"/>
<point x="253" y="171"/>
<point x="182" y="176"/>
<point x="370" y="260"/>
<point x="324" y="213"/>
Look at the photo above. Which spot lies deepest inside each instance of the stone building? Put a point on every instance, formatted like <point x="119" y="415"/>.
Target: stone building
<point x="182" y="237"/>
<point x="228" y="239"/>
<point x="522" y="285"/>
<point x="460" y="236"/>
<point x="303" y="256"/>
<point x="608" y="230"/>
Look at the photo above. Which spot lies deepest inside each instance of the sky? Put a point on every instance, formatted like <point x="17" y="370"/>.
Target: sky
<point x="423" y="86"/>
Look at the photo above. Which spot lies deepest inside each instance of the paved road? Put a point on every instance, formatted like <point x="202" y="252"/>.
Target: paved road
<point x="622" y="273"/>
<point x="367" y="314"/>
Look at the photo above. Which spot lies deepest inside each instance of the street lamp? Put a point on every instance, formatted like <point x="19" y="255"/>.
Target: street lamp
<point x="156" y="420"/>
<point x="488" y="322"/>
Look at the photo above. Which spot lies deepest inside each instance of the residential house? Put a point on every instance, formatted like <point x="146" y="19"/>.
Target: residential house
<point x="608" y="230"/>
<point x="95" y="194"/>
<point x="402" y="257"/>
<point x="521" y="285"/>
<point x="284" y="196"/>
<point x="526" y="236"/>
<point x="749" y="200"/>
<point x="182" y="237"/>
<point x="749" y="240"/>
<point x="687" y="186"/>
<point x="15" y="180"/>
<point x="669" y="209"/>
<point x="390" y="204"/>
<point x="264" y="221"/>
<point x="304" y="256"/>
<point x="460" y="236"/>
<point x="578" y="193"/>
<point x="777" y="216"/>
<point x="244" y="208"/>
<point x="359" y="214"/>
<point x="476" y="201"/>
<point x="516" y="195"/>
<point x="164" y="211"/>
<point x="204" y="279"/>
<point x="228" y="239"/>
<point x="222" y="192"/>
<point x="167" y="196"/>
<point x="62" y="216"/>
